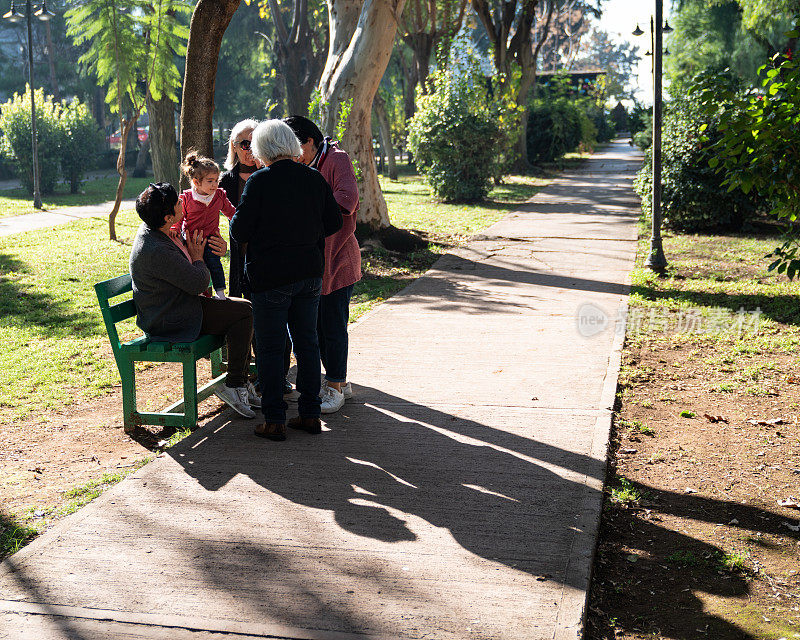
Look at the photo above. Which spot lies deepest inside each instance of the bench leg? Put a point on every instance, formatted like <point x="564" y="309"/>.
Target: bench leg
<point x="130" y="415"/>
<point x="190" y="393"/>
<point x="216" y="363"/>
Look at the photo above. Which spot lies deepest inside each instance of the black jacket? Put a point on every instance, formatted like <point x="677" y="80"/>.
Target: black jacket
<point x="286" y="212"/>
<point x="237" y="285"/>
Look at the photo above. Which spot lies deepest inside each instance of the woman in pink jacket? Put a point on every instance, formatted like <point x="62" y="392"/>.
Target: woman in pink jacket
<point x="342" y="259"/>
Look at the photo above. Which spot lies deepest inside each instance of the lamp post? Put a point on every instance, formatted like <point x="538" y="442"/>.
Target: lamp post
<point x="15" y="16"/>
<point x="656" y="260"/>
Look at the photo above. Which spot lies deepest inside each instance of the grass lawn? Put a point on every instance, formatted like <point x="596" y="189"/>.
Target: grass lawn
<point x="16" y="202"/>
<point x="694" y="541"/>
<point x="52" y="340"/>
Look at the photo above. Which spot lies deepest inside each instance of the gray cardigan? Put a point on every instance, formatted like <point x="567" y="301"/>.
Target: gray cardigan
<point x="166" y="287"/>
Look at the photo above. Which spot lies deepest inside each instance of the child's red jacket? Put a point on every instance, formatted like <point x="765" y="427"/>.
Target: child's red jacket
<point x="197" y="215"/>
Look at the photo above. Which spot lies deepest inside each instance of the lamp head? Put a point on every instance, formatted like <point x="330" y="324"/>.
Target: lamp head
<point x="13" y="15"/>
<point x="637" y="32"/>
<point x="43" y="14"/>
<point x="667" y="28"/>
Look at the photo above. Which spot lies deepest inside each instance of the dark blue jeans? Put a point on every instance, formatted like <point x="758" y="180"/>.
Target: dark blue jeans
<point x="334" y="314"/>
<point x="294" y="304"/>
<point x="214" y="264"/>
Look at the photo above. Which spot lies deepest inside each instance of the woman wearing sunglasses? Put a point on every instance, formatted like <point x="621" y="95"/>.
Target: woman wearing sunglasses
<point x="240" y="164"/>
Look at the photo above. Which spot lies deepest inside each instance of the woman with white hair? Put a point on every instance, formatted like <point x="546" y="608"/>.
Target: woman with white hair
<point x="285" y="213"/>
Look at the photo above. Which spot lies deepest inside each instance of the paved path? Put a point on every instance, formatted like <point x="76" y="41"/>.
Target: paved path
<point x="54" y="217"/>
<point x="458" y="496"/>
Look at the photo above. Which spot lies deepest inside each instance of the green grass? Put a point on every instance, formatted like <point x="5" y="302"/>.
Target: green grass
<point x="625" y="492"/>
<point x="14" y="535"/>
<point x="53" y="343"/>
<point x="688" y="414"/>
<point x="15" y="202"/>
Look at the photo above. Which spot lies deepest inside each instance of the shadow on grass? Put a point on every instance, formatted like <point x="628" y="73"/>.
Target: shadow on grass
<point x="13" y="535"/>
<point x="670" y="567"/>
<point x="780" y="308"/>
<point x="22" y="304"/>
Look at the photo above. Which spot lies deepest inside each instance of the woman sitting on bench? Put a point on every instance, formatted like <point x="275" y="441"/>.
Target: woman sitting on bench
<point x="167" y="288"/>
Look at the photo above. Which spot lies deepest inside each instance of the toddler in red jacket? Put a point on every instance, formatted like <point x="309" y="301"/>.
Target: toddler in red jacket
<point x="202" y="205"/>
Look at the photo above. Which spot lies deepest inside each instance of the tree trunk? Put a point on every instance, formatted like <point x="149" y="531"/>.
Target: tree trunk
<point x="299" y="54"/>
<point x="379" y="106"/>
<point x="409" y="88"/>
<point x="362" y="36"/>
<point x="209" y="21"/>
<point x="50" y="61"/>
<point x="163" y="148"/>
<point x="140" y="171"/>
<point x="125" y="128"/>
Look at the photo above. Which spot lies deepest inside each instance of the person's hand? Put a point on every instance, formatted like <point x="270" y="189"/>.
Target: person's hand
<point x="218" y="245"/>
<point x="173" y="233"/>
<point x="195" y="245"/>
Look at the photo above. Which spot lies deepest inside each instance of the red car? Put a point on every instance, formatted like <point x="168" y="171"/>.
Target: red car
<point x="116" y="137"/>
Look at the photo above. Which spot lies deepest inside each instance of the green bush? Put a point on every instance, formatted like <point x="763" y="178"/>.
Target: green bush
<point x="693" y="195"/>
<point x="554" y="128"/>
<point x="15" y="123"/>
<point x="454" y="136"/>
<point x="601" y="119"/>
<point x="82" y="140"/>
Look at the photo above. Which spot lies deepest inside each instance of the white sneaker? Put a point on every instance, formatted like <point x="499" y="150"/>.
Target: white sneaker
<point x="347" y="389"/>
<point x="253" y="399"/>
<point x="332" y="400"/>
<point x="236" y="399"/>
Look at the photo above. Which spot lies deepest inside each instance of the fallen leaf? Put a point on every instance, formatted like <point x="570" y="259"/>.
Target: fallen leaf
<point x="632" y="558"/>
<point x="712" y="418"/>
<point x="793" y="380"/>
<point x="689" y="490"/>
<point x="790" y="502"/>
<point x="628" y="450"/>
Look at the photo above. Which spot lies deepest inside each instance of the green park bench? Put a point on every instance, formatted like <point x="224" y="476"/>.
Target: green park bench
<point x="142" y="349"/>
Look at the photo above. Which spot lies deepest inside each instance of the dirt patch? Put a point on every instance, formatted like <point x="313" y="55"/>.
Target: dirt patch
<point x="42" y="459"/>
<point x="694" y="541"/>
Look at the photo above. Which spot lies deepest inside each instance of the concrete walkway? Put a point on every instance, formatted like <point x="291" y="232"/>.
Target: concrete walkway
<point x="457" y="496"/>
<point x="54" y="217"/>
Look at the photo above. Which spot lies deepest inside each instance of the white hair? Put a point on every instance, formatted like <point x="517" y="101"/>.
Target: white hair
<point x="274" y="139"/>
<point x="245" y="126"/>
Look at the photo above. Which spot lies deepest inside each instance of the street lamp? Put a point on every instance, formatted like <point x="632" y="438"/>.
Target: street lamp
<point x="15" y="16"/>
<point x="656" y="260"/>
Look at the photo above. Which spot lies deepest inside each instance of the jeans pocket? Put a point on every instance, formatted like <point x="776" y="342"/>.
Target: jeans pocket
<point x="314" y="286"/>
<point x="279" y="295"/>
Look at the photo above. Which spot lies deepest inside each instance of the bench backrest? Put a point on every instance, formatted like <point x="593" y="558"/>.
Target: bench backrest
<point x="113" y="313"/>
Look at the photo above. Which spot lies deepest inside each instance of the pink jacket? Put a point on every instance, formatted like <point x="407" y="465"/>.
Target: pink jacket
<point x="197" y="215"/>
<point x="342" y="254"/>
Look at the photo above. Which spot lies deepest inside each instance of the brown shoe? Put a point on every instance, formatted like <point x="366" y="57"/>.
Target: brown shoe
<point x="271" y="430"/>
<point x="309" y="425"/>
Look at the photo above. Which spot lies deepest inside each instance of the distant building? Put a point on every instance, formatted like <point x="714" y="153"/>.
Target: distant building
<point x="580" y="82"/>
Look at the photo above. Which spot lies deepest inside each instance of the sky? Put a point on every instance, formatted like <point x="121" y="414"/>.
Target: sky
<point x="619" y="19"/>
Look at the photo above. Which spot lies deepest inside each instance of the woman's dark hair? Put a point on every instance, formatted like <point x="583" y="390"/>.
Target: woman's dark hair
<point x="155" y="203"/>
<point x="304" y="129"/>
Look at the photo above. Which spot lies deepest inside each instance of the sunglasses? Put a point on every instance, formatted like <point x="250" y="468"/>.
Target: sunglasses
<point x="244" y="144"/>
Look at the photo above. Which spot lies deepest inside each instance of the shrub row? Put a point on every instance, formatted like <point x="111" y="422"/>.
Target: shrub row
<point x="560" y="125"/>
<point x="693" y="195"/>
<point x="68" y="140"/>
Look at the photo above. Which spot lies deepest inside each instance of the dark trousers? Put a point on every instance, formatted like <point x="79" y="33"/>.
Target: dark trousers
<point x="214" y="264"/>
<point x="297" y="305"/>
<point x="334" y="314"/>
<point x="232" y="318"/>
